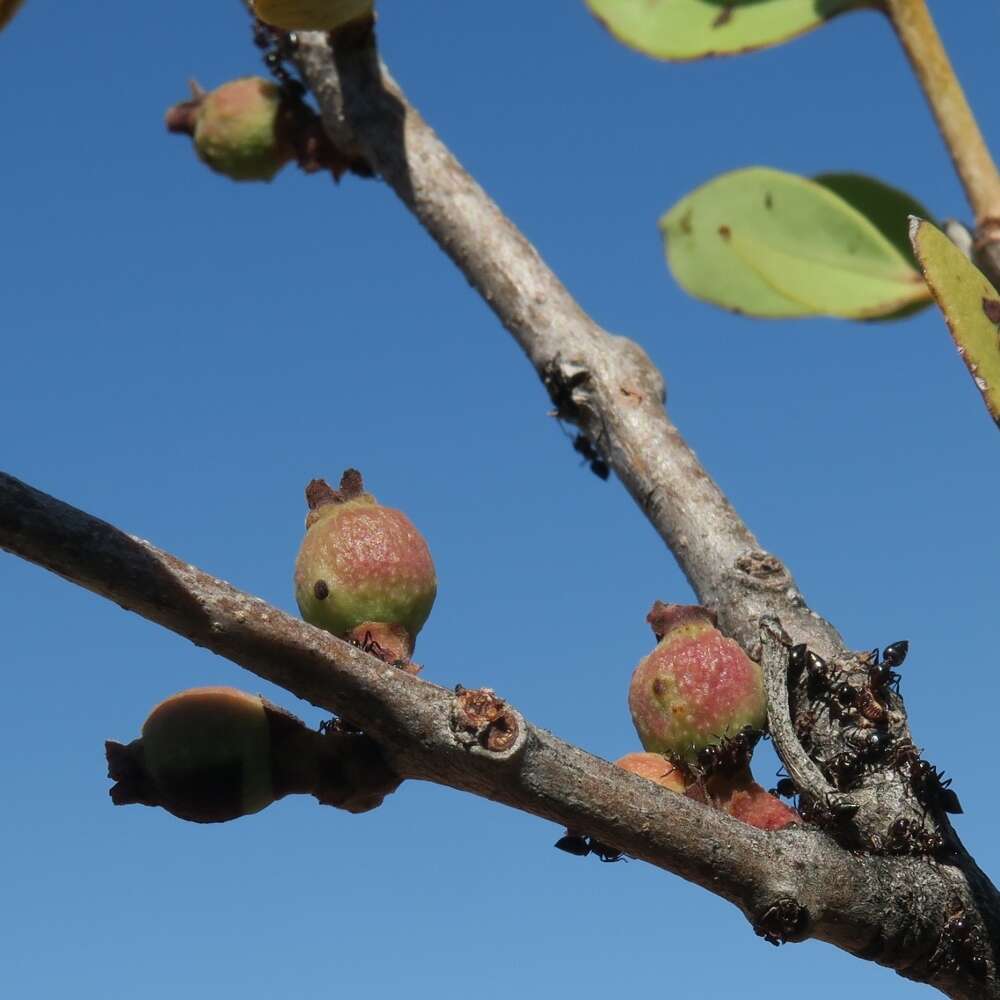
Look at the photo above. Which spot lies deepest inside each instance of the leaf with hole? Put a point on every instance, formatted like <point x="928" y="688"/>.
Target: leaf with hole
<point x="770" y="243"/>
<point x="695" y="29"/>
<point x="971" y="307"/>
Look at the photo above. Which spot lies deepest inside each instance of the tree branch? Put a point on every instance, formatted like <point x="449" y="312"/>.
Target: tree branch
<point x="792" y="884"/>
<point x="604" y="384"/>
<point x="974" y="165"/>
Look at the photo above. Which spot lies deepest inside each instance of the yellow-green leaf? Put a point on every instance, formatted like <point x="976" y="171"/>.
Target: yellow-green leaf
<point x="971" y="307"/>
<point x="774" y="244"/>
<point x="8" y="8"/>
<point x="311" y="15"/>
<point x="694" y="29"/>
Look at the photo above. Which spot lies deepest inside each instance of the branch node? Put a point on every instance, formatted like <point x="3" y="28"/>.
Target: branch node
<point x="480" y="719"/>
<point x="783" y="920"/>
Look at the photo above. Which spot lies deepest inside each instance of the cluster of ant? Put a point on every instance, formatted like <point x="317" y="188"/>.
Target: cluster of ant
<point x="277" y="48"/>
<point x="729" y="756"/>
<point x="961" y="947"/>
<point x="858" y="701"/>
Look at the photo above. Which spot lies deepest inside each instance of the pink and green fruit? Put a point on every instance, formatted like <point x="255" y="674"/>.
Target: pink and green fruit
<point x="363" y="569"/>
<point x="237" y="129"/>
<point x="696" y="687"/>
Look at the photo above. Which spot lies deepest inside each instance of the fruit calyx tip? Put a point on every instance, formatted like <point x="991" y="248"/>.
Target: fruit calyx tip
<point x="663" y="617"/>
<point x="319" y="493"/>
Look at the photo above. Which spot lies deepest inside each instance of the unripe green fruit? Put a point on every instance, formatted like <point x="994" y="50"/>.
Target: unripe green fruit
<point x="311" y="15"/>
<point x="695" y="688"/>
<point x="208" y="751"/>
<point x="214" y="754"/>
<point x="237" y="130"/>
<point x="363" y="568"/>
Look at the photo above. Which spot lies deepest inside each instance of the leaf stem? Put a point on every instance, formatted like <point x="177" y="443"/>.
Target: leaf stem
<point x="976" y="168"/>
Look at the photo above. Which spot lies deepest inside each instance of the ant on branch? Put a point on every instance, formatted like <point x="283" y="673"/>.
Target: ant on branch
<point x="927" y="782"/>
<point x="907" y="836"/>
<point x="277" y="49"/>
<point x="960" y="947"/>
<point x="730" y="754"/>
<point x="583" y="446"/>
<point x="881" y="675"/>
<point x="582" y="845"/>
<point x="784" y="787"/>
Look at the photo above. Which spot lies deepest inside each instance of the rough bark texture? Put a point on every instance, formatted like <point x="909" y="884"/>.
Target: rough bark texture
<point x="791" y="884"/>
<point x="605" y="384"/>
<point x="931" y="920"/>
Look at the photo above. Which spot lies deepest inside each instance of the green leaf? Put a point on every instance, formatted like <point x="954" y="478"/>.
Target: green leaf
<point x="774" y="244"/>
<point x="694" y="29"/>
<point x="888" y="209"/>
<point x="970" y="304"/>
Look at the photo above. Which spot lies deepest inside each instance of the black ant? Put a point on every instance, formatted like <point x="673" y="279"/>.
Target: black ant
<point x="785" y="788"/>
<point x="830" y="810"/>
<point x="907" y="836"/>
<point x="871" y="745"/>
<point x="277" y="49"/>
<point x="868" y="746"/>
<point x="369" y="645"/>
<point x="801" y="657"/>
<point x="926" y="781"/>
<point x="582" y="445"/>
<point x="730" y="754"/>
<point x="881" y="675"/>
<point x="845" y="770"/>
<point x="581" y="846"/>
<point x="960" y="947"/>
<point x="928" y="786"/>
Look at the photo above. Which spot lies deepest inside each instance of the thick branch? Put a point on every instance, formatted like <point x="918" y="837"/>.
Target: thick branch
<point x="603" y="383"/>
<point x="974" y="165"/>
<point x="843" y="899"/>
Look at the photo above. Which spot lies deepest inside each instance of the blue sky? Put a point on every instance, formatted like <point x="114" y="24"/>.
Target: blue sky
<point x="182" y="354"/>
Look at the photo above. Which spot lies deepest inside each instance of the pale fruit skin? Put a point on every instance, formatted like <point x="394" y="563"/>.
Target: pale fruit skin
<point x="753" y="804"/>
<point x="695" y="687"/>
<point x="656" y="768"/>
<point x="363" y="563"/>
<point x="208" y="750"/>
<point x="312" y="15"/>
<point x="237" y="130"/>
<point x="740" y="796"/>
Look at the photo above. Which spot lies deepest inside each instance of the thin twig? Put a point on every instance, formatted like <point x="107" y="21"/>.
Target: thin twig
<point x="774" y="662"/>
